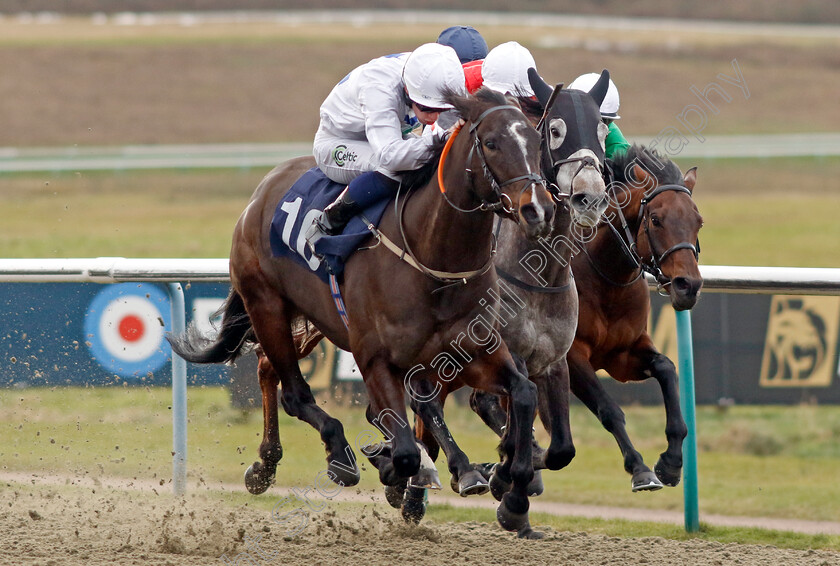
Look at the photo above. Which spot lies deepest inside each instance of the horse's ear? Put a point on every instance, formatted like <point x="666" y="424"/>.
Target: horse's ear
<point x="690" y="178"/>
<point x="643" y="179"/>
<point x="541" y="88"/>
<point x="599" y="89"/>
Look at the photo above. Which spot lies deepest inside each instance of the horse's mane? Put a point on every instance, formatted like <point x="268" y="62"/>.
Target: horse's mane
<point x="531" y="108"/>
<point x="663" y="169"/>
<point x="419" y="177"/>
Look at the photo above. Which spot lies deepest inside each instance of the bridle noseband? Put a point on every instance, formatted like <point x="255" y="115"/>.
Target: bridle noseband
<point x="499" y="206"/>
<point x="630" y="248"/>
<point x="554" y="165"/>
<point x="656" y="262"/>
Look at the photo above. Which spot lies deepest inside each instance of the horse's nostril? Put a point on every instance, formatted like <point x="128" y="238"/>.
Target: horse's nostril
<point x="684" y="286"/>
<point x="582" y="202"/>
<point x="529" y="213"/>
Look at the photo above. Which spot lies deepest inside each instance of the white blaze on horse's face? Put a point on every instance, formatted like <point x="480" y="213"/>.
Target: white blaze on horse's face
<point x="556" y="132"/>
<point x="541" y="209"/>
<point x="586" y="187"/>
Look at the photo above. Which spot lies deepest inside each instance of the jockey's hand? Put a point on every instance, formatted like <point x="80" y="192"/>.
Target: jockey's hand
<point x="440" y="134"/>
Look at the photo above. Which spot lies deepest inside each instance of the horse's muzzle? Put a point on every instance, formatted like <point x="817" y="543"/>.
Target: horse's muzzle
<point x="588" y="208"/>
<point x="684" y="292"/>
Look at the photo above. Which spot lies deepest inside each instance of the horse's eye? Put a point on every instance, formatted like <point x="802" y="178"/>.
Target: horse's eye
<point x="490" y="144"/>
<point x="655" y="221"/>
<point x="555" y="133"/>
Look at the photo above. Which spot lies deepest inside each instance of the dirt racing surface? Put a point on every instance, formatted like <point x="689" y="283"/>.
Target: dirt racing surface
<point x="73" y="525"/>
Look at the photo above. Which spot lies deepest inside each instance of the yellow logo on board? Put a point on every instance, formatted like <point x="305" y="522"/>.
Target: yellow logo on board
<point x="801" y="342"/>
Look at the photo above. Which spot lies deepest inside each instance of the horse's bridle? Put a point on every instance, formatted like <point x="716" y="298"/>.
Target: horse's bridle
<point x="499" y="206"/>
<point x="630" y="248"/>
<point x="458" y="278"/>
<point x="555" y="164"/>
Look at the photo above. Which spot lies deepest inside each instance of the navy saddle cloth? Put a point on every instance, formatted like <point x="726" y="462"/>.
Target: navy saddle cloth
<point x="301" y="205"/>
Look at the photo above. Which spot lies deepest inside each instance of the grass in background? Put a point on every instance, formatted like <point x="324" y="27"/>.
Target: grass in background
<point x="774" y="212"/>
<point x="126" y="432"/>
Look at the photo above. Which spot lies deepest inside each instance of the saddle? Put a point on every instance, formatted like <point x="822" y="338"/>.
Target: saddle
<point x="301" y="205"/>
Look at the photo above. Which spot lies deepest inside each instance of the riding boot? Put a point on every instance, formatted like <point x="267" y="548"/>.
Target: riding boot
<point x="334" y="218"/>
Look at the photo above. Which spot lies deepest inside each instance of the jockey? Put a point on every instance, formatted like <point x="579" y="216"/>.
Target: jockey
<point x="615" y="142"/>
<point x="505" y="69"/>
<point x="369" y="123"/>
<point x="466" y="41"/>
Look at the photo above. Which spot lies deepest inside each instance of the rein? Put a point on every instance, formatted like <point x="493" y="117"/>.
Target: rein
<point x="630" y="248"/>
<point x="458" y="277"/>
<point x="499" y="205"/>
<point x="513" y="280"/>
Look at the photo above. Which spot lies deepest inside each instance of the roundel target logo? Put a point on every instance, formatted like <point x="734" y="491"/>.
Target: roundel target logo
<point x="124" y="328"/>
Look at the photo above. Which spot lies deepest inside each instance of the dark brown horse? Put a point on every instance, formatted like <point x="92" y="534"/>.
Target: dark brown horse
<point x="402" y="317"/>
<point x="653" y="227"/>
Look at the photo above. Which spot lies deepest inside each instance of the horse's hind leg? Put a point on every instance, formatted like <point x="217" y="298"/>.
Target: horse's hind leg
<point x="260" y="475"/>
<point x="273" y="331"/>
<point x="587" y="387"/>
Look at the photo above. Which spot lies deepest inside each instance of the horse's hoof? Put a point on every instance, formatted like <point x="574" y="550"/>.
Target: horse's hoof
<point x="394" y="495"/>
<point x="536" y="486"/>
<point x="342" y="474"/>
<point x="254" y="482"/>
<point x="645" y="481"/>
<point x="511" y="519"/>
<point x="668" y="475"/>
<point x="529" y="533"/>
<point x="426" y="478"/>
<point x="413" y="505"/>
<point x="498" y="486"/>
<point x="472" y="483"/>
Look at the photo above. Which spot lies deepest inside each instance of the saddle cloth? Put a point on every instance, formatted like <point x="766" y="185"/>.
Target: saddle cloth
<point x="301" y="205"/>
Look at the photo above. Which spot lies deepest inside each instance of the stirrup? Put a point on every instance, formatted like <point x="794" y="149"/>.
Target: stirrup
<point x="315" y="232"/>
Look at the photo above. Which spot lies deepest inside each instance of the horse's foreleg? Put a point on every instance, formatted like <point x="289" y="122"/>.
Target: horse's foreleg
<point x="273" y="331"/>
<point x="669" y="466"/>
<point x="386" y="412"/>
<point x="587" y="387"/>
<point x="553" y="399"/>
<point x="497" y="374"/>
<point x="489" y="409"/>
<point x="465" y="479"/>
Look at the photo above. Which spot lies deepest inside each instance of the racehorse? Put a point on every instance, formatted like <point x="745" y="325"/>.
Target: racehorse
<point x="539" y="309"/>
<point x="653" y="226"/>
<point x="405" y="308"/>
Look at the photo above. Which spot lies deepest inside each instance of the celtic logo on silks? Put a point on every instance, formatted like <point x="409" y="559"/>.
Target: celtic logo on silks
<point x="342" y="156"/>
<point x="800" y="342"/>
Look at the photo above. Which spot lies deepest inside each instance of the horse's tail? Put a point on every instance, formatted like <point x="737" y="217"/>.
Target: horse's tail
<point x="235" y="334"/>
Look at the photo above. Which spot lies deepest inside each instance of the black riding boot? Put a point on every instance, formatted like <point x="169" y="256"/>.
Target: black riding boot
<point x="334" y="218"/>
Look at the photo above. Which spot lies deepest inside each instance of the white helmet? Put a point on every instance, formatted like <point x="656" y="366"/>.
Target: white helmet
<point x="431" y="69"/>
<point x="505" y="69"/>
<point x="609" y="107"/>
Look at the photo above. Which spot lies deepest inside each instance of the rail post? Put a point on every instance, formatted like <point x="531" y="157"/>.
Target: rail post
<point x="687" y="404"/>
<point x="179" y="395"/>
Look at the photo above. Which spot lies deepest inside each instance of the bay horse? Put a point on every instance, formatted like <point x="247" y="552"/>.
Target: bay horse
<point x="653" y="226"/>
<point x="405" y="308"/>
<point x="539" y="310"/>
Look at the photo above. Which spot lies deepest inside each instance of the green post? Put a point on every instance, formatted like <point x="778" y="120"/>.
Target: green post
<point x="687" y="403"/>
